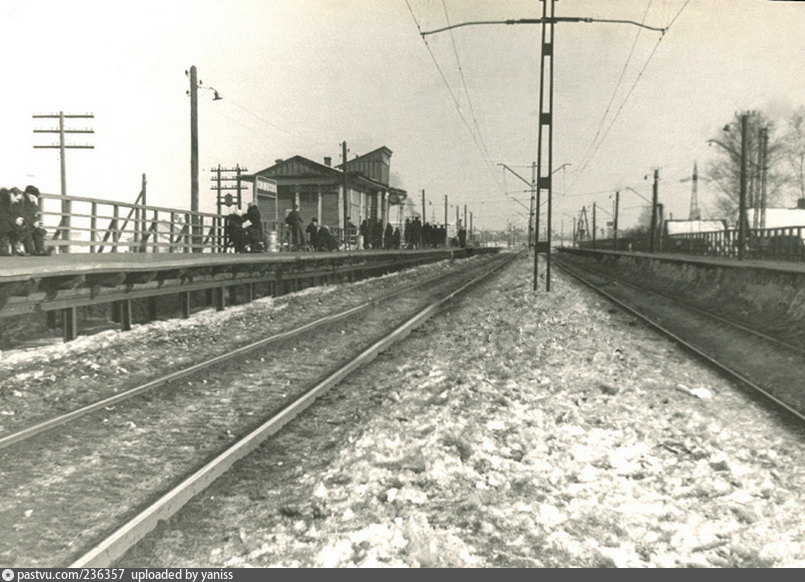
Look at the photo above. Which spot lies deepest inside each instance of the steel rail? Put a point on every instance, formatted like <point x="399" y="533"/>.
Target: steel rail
<point x="723" y="368"/>
<point x="718" y="318"/>
<point x="122" y="539"/>
<point x="36" y="429"/>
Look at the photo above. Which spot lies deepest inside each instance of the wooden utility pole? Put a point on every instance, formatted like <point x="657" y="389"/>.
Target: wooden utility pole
<point x="219" y="186"/>
<point x="66" y="211"/>
<point x="595" y="234"/>
<point x="653" y="227"/>
<point x="193" y="139"/>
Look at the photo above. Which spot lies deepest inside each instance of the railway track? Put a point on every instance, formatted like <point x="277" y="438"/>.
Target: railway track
<point x="768" y="366"/>
<point x="96" y="470"/>
<point x="37" y="428"/>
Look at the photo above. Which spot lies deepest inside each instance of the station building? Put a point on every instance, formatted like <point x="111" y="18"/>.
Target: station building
<point x="317" y="188"/>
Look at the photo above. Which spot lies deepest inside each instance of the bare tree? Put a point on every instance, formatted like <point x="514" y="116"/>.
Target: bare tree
<point x="793" y="149"/>
<point x="725" y="171"/>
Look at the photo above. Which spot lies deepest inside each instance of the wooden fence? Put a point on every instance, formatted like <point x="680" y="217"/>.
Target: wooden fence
<point x="81" y="224"/>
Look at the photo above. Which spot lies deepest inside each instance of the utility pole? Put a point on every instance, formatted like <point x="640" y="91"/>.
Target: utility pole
<point x="445" y="220"/>
<point x="424" y="214"/>
<point x="653" y="227"/>
<point x="219" y="179"/>
<point x="695" y="213"/>
<point x="470" y="234"/>
<point x="595" y="234"/>
<point x="64" y="223"/>
<point x="465" y="217"/>
<point x="193" y="139"/>
<point x="345" y="196"/>
<point x="615" y="220"/>
<point x="545" y="138"/>
<point x="548" y="22"/>
<point x="764" y="170"/>
<point x="533" y="234"/>
<point x="742" y="221"/>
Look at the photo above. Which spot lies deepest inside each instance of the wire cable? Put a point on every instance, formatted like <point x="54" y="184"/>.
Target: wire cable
<point x="485" y="158"/>
<point x="629" y="94"/>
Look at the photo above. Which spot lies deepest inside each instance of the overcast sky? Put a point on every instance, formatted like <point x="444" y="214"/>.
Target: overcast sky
<point x="300" y="76"/>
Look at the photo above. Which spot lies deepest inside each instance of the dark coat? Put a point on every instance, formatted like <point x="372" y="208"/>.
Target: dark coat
<point x="7" y="225"/>
<point x="313" y="234"/>
<point x="295" y="227"/>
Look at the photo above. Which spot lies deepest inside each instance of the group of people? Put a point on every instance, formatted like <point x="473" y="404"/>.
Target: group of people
<point x="418" y="235"/>
<point x="244" y="232"/>
<point x="21" y="230"/>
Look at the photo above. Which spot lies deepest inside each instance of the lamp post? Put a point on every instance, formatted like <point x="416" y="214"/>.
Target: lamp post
<point x="193" y="92"/>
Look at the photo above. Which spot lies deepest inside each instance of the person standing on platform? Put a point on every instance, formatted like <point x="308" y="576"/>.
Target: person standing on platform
<point x="18" y="216"/>
<point x="387" y="236"/>
<point x="33" y="234"/>
<point x="395" y="239"/>
<point x="313" y="234"/>
<point x="7" y="226"/>
<point x="462" y="237"/>
<point x="407" y="231"/>
<point x="253" y="223"/>
<point x="294" y="221"/>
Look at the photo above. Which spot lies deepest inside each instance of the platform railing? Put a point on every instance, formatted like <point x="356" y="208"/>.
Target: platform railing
<point x="768" y="244"/>
<point x="105" y="226"/>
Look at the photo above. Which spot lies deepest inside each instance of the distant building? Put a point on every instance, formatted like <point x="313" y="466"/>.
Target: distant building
<point x="318" y="189"/>
<point x="780" y="217"/>
<point x="673" y="227"/>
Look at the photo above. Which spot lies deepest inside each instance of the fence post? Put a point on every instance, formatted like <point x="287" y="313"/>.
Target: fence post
<point x="93" y="226"/>
<point x="116" y="231"/>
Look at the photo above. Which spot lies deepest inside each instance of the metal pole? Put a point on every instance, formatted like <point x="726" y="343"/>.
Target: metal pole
<point x="445" y="220"/>
<point x="532" y="243"/>
<point x="346" y="195"/>
<point x="595" y="234"/>
<point x="742" y="222"/>
<point x="615" y="221"/>
<point x="653" y="226"/>
<point x="550" y="155"/>
<point x="424" y="216"/>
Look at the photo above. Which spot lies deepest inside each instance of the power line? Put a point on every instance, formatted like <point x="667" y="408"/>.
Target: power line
<point x="631" y="90"/>
<point x="615" y="91"/>
<point x="464" y="82"/>
<point x="453" y="96"/>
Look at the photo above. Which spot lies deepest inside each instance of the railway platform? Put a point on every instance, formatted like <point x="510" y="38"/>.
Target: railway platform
<point x="59" y="285"/>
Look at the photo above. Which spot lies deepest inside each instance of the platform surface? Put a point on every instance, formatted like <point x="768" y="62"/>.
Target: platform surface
<point x="780" y="266"/>
<point x="24" y="268"/>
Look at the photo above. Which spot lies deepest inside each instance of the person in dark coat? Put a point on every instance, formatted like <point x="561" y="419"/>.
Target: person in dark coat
<point x="395" y="239"/>
<point x="253" y="223"/>
<point x="295" y="227"/>
<point x="462" y="237"/>
<point x="313" y="234"/>
<point x="7" y="226"/>
<point x="407" y="234"/>
<point x="235" y="234"/>
<point x="33" y="233"/>
<point x="387" y="236"/>
<point x="17" y="212"/>
<point x="326" y="240"/>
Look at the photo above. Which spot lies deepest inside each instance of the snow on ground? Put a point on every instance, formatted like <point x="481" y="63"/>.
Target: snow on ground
<point x="552" y="431"/>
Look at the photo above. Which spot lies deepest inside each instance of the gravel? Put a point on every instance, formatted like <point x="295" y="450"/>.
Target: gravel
<point x="545" y="430"/>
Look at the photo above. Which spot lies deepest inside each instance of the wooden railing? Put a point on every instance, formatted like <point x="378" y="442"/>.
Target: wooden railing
<point x="770" y="244"/>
